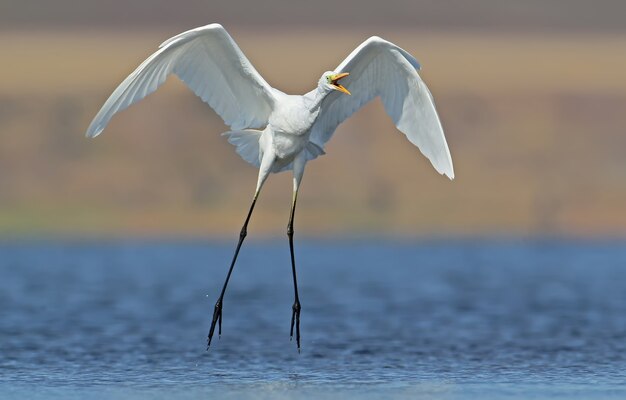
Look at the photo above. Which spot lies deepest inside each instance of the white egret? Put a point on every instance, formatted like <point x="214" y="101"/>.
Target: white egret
<point x="279" y="132"/>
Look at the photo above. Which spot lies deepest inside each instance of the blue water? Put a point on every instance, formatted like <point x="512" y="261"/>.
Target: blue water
<point x="380" y="319"/>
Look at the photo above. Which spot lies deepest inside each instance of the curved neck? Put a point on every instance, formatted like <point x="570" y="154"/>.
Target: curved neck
<point x="317" y="95"/>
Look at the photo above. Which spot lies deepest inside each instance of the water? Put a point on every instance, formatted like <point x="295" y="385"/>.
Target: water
<point x="443" y="319"/>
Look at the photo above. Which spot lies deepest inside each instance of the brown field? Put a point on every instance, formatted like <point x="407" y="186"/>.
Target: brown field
<point x="536" y="125"/>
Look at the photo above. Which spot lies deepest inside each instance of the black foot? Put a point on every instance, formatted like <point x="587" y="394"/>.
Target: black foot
<point x="217" y="318"/>
<point x="295" y="318"/>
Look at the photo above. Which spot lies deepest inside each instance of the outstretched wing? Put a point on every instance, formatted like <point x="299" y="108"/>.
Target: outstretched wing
<point x="209" y="61"/>
<point x="380" y="68"/>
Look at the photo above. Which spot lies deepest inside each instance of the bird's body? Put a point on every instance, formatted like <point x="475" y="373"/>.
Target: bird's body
<point x="290" y="126"/>
<point x="276" y="131"/>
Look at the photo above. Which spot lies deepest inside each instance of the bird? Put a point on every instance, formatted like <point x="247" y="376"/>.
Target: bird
<point x="275" y="131"/>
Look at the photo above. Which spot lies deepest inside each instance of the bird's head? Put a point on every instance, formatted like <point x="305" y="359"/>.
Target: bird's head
<point x="330" y="81"/>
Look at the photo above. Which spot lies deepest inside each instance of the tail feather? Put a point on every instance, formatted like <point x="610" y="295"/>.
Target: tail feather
<point x="246" y="144"/>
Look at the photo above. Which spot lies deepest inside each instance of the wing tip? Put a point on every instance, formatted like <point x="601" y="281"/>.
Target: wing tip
<point x="93" y="132"/>
<point x="446" y="171"/>
<point x="449" y="171"/>
<point x="444" y="167"/>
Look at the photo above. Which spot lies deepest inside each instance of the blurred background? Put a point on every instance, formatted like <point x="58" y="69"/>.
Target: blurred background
<point x="532" y="96"/>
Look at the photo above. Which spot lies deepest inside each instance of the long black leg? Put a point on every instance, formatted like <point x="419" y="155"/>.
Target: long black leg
<point x="295" y="314"/>
<point x="217" y="313"/>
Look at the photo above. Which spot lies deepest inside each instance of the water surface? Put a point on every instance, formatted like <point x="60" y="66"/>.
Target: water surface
<point x="443" y="319"/>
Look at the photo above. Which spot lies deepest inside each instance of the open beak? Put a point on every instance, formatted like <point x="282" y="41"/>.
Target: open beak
<point x="334" y="81"/>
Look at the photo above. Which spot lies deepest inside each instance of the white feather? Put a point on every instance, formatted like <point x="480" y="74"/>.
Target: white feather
<point x="380" y="68"/>
<point x="246" y="144"/>
<point x="269" y="128"/>
<point x="209" y="61"/>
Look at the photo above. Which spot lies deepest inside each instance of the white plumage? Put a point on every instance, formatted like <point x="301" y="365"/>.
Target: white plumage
<point x="380" y="68"/>
<point x="209" y="61"/>
<point x="275" y="131"/>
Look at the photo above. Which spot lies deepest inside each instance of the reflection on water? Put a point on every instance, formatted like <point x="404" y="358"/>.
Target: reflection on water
<point x="445" y="319"/>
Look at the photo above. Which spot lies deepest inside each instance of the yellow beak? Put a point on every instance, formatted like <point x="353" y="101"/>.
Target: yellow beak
<point x="337" y="86"/>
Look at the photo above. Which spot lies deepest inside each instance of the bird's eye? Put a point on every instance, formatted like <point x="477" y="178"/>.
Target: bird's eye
<point x="328" y="78"/>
